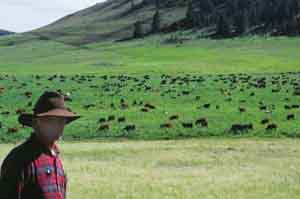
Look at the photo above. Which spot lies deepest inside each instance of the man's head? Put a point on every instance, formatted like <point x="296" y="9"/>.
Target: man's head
<point x="49" y="116"/>
<point x="49" y="128"/>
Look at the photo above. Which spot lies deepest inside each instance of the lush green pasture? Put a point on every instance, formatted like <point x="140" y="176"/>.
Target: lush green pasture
<point x="161" y="107"/>
<point x="118" y="80"/>
<point x="189" y="169"/>
<point x="133" y="89"/>
<point x="150" y="56"/>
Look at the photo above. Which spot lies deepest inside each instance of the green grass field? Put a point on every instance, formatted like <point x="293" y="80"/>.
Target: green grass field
<point x="150" y="56"/>
<point x="178" y="80"/>
<point x="226" y="82"/>
<point x="189" y="169"/>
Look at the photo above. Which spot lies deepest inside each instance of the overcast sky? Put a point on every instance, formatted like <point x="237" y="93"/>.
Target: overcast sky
<point x="24" y="15"/>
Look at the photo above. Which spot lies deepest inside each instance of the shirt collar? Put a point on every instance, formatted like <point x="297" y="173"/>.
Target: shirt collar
<point x="37" y="144"/>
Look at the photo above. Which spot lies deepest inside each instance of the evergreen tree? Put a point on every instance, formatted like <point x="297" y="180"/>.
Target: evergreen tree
<point x="138" y="31"/>
<point x="282" y="12"/>
<point x="132" y="3"/>
<point x="241" y="22"/>
<point x="191" y="13"/>
<point x="156" y="22"/>
<point x="269" y="16"/>
<point x="223" y="27"/>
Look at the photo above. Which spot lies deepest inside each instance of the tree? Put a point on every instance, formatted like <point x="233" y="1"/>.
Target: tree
<point x="138" y="30"/>
<point x="292" y="27"/>
<point x="156" y="22"/>
<point x="199" y="12"/>
<point x="157" y="4"/>
<point x="191" y="14"/>
<point x="268" y="13"/>
<point x="283" y="11"/>
<point x="241" y="22"/>
<point x="156" y="18"/>
<point x="223" y="27"/>
<point x="132" y="3"/>
<point x="206" y="8"/>
<point x="253" y="14"/>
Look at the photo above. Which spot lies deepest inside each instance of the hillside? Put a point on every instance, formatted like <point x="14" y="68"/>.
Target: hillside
<point x="5" y="32"/>
<point x="121" y="19"/>
<point x="110" y="20"/>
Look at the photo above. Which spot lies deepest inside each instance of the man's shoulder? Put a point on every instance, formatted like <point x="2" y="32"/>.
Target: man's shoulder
<point x="17" y="157"/>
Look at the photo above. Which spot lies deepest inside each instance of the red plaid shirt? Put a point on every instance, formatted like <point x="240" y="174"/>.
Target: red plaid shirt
<point x="31" y="171"/>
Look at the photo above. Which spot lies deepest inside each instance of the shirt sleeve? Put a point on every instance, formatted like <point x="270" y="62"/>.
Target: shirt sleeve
<point x="11" y="179"/>
<point x="65" y="186"/>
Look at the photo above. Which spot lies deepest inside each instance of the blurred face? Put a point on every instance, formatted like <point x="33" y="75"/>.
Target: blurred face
<point x="49" y="128"/>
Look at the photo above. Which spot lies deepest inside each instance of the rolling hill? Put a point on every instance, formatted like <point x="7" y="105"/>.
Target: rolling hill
<point x="5" y="32"/>
<point x="121" y="19"/>
<point x="110" y="20"/>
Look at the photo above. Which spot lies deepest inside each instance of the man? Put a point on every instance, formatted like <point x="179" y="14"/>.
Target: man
<point x="33" y="170"/>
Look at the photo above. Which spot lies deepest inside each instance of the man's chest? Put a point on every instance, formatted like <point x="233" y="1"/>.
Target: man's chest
<point x="48" y="177"/>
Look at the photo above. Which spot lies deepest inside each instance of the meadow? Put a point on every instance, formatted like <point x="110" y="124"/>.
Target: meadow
<point x="147" y="89"/>
<point x="209" y="168"/>
<point x="202" y="119"/>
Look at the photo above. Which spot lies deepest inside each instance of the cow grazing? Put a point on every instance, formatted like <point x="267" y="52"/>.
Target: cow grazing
<point x="271" y="127"/>
<point x="103" y="127"/>
<point x="121" y="119"/>
<point x="239" y="128"/>
<point x="201" y="122"/>
<point x="101" y="120"/>
<point x="112" y="105"/>
<point x="12" y="130"/>
<point x="20" y="111"/>
<point x="149" y="106"/>
<point x="187" y="124"/>
<point x="290" y="117"/>
<point x="166" y="125"/>
<point x="242" y="109"/>
<point x="206" y="105"/>
<point x="29" y="104"/>
<point x="5" y="113"/>
<point x="134" y="103"/>
<point x="174" y="117"/>
<point x="111" y="118"/>
<point x="263" y="107"/>
<point x="265" y="121"/>
<point x="144" y="110"/>
<point x="130" y="127"/>
<point x="67" y="97"/>
<point x="87" y="106"/>
<point x="28" y="94"/>
<point x="124" y="106"/>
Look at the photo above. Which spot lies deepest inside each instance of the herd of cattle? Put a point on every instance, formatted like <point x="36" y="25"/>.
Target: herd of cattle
<point x="166" y="96"/>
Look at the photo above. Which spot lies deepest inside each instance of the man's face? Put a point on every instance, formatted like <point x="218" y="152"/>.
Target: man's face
<point x="50" y="128"/>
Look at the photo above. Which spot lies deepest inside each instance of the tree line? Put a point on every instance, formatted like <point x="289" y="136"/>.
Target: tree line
<point x="235" y="17"/>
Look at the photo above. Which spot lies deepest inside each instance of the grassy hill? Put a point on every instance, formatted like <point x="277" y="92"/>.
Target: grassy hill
<point x="5" y="32"/>
<point x="116" y="19"/>
<point x="28" y="55"/>
<point x="110" y="20"/>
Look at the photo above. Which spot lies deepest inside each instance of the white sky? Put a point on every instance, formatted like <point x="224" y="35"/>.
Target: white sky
<point x="25" y="15"/>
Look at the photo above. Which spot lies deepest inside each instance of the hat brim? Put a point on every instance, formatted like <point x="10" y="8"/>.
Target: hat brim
<point x="27" y="118"/>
